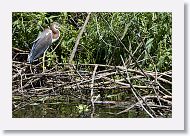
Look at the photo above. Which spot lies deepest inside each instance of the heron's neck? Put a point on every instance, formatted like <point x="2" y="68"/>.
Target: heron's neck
<point x="55" y="33"/>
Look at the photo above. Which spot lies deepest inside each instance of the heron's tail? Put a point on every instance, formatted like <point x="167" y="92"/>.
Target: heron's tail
<point x="30" y="58"/>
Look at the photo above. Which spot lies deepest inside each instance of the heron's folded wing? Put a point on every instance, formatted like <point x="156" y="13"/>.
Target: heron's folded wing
<point x="40" y="45"/>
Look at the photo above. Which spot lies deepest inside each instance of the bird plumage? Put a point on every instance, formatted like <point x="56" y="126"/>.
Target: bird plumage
<point x="43" y="42"/>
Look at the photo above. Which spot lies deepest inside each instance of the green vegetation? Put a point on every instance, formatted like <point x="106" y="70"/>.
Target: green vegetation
<point x="146" y="35"/>
<point x="122" y="66"/>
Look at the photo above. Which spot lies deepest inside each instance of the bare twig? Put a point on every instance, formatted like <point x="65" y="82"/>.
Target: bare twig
<point x="92" y="91"/>
<point x="78" y="38"/>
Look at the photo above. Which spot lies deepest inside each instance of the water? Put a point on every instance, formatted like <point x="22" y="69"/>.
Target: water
<point x="70" y="108"/>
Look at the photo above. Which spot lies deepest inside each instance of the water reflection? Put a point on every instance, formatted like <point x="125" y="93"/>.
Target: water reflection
<point x="73" y="109"/>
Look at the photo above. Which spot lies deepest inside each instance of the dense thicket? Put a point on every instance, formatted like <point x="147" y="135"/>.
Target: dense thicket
<point x="146" y="35"/>
<point x="122" y="66"/>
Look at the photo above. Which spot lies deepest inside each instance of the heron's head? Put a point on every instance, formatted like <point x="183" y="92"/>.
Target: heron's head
<point x="55" y="25"/>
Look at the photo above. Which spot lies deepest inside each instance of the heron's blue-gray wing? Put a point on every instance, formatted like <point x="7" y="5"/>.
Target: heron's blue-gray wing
<point x="41" y="44"/>
<point x="40" y="35"/>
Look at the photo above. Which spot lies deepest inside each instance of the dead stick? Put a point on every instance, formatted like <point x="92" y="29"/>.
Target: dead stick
<point x="78" y="39"/>
<point x="92" y="90"/>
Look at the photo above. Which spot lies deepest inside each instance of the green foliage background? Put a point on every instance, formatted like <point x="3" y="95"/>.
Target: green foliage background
<point x="99" y="43"/>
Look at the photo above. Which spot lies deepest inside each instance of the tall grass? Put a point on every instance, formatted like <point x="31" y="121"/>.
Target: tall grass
<point x="146" y="35"/>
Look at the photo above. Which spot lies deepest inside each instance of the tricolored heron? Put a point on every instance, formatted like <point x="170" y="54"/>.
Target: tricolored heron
<point x="44" y="41"/>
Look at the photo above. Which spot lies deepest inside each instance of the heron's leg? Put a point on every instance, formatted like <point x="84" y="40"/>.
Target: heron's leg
<point x="31" y="69"/>
<point x="44" y="61"/>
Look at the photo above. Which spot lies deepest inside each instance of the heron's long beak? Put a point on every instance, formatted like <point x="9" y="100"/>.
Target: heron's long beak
<point x="60" y="27"/>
